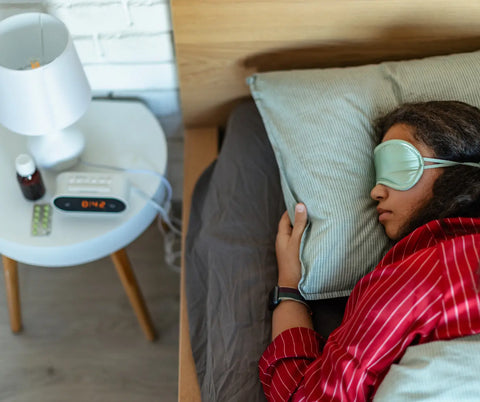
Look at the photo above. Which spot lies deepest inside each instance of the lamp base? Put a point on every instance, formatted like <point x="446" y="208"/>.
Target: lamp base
<point x="59" y="150"/>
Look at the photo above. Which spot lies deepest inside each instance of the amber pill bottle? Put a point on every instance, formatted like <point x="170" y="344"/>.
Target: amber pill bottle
<point x="29" y="177"/>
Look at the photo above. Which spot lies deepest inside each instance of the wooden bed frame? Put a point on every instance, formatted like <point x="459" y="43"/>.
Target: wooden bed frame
<point x="219" y="43"/>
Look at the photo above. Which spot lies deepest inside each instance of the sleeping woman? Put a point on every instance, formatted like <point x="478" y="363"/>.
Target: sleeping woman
<point x="426" y="288"/>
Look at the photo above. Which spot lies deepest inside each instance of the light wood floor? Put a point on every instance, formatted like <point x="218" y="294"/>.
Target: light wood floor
<point x="81" y="341"/>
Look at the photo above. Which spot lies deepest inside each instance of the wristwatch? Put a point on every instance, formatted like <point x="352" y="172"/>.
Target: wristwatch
<point x="278" y="293"/>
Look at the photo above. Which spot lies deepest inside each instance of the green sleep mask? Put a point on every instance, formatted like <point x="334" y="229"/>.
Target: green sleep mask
<point x="399" y="165"/>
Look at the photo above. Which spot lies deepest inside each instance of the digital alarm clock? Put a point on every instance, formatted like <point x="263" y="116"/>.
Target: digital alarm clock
<point x="91" y="192"/>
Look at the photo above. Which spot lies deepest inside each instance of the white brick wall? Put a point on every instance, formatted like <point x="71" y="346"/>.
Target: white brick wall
<point x="126" y="48"/>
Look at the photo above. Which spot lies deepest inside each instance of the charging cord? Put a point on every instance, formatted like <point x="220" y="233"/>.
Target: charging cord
<point x="169" y="225"/>
<point x="170" y="232"/>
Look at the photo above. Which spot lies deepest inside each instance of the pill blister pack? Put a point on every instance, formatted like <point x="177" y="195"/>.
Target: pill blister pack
<point x="41" y="220"/>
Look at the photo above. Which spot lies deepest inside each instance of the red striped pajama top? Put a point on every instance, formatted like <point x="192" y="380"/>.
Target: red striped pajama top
<point x="426" y="288"/>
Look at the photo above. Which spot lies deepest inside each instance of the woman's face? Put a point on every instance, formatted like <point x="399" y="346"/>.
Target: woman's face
<point x="396" y="208"/>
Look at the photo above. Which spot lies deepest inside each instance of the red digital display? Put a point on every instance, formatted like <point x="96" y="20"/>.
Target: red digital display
<point x="89" y="204"/>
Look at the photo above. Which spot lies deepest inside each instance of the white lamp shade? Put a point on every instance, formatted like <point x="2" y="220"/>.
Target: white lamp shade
<point x="43" y="87"/>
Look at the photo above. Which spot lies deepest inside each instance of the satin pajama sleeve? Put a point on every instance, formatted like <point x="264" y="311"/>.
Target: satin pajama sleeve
<point x="391" y="310"/>
<point x="285" y="361"/>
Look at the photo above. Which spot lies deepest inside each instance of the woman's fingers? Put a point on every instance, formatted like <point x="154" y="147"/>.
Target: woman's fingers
<point x="284" y="225"/>
<point x="300" y="220"/>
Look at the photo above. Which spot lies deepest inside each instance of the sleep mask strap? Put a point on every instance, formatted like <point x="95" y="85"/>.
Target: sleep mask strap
<point x="445" y="163"/>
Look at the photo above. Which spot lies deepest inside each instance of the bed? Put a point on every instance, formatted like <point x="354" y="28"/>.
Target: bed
<point x="220" y="43"/>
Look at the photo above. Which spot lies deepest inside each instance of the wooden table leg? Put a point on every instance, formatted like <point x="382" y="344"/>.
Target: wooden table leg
<point x="124" y="269"/>
<point x="13" y="294"/>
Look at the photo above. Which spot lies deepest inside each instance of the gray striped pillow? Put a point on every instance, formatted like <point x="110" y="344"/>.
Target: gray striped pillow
<point x="319" y="124"/>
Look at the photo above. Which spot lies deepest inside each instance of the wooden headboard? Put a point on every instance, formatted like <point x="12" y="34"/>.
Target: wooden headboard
<point x="219" y="43"/>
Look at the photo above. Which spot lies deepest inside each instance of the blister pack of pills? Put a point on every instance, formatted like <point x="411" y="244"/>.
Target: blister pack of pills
<point x="41" y="220"/>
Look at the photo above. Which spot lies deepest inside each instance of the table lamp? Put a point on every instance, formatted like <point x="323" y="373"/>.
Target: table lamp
<point x="43" y="88"/>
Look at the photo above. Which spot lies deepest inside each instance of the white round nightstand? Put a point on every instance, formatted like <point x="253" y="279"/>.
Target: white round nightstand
<point x="123" y="134"/>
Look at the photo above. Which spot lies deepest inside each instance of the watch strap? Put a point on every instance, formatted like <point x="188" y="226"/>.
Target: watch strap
<point x="285" y="293"/>
<point x="290" y="292"/>
<point x="280" y="293"/>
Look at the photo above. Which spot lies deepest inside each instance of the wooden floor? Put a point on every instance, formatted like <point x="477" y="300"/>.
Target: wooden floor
<point x="81" y="341"/>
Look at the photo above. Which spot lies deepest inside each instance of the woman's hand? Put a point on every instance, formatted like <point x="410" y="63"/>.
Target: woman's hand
<point x="287" y="247"/>
<point x="290" y="314"/>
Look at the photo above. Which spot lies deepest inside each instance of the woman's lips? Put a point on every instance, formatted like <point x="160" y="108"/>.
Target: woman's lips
<point x="383" y="214"/>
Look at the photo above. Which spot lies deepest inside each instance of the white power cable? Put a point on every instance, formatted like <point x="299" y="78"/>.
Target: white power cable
<point x="174" y="224"/>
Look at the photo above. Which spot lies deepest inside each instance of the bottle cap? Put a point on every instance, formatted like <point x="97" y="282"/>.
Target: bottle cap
<point x="25" y="165"/>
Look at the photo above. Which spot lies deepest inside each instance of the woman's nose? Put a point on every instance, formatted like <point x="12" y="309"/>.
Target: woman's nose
<point x="379" y="192"/>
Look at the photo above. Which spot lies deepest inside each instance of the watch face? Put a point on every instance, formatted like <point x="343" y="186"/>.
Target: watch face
<point x="273" y="298"/>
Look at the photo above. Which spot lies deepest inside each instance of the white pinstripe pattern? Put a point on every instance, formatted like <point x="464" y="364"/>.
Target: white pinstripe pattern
<point x="450" y="282"/>
<point x="389" y="340"/>
<point x="373" y="297"/>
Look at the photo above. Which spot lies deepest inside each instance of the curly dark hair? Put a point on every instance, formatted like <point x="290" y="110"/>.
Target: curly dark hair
<point x="452" y="130"/>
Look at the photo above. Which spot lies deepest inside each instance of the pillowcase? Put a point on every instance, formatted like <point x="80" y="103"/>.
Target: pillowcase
<point x="434" y="371"/>
<point x="319" y="123"/>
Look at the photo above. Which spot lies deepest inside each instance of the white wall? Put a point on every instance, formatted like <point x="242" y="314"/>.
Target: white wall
<point x="126" y="48"/>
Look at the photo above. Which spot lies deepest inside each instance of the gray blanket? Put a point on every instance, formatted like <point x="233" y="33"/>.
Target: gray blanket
<point x="231" y="264"/>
